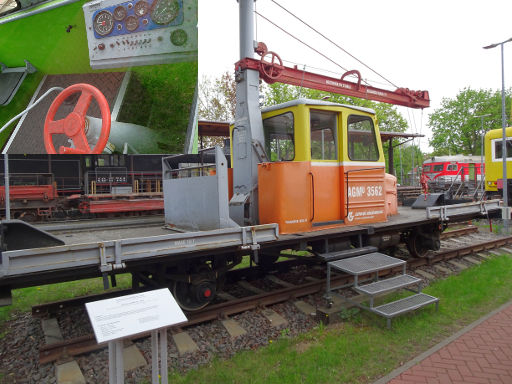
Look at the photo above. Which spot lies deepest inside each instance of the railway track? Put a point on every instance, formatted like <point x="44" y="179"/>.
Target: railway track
<point x="48" y="309"/>
<point x="289" y="291"/>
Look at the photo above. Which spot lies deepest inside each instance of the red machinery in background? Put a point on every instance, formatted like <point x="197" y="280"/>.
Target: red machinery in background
<point x="445" y="171"/>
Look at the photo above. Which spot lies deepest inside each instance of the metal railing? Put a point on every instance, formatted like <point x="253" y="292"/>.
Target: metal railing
<point x="115" y="182"/>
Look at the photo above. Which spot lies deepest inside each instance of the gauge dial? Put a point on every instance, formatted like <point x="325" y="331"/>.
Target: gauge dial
<point x="179" y="37"/>
<point x="120" y="13"/>
<point x="103" y="23"/>
<point x="131" y="23"/>
<point x="164" y="11"/>
<point x="141" y="8"/>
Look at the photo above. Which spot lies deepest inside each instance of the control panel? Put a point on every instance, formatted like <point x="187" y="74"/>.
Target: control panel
<point x="140" y="32"/>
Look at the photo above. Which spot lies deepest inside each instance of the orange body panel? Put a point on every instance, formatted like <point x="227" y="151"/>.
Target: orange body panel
<point x="230" y="183"/>
<point x="286" y="196"/>
<point x="391" y="195"/>
<point x="327" y="197"/>
<point x="365" y="191"/>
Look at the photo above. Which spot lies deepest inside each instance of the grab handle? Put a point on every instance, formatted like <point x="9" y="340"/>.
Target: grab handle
<point x="312" y="194"/>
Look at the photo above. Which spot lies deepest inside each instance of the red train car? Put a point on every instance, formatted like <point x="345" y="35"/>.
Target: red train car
<point x="443" y="171"/>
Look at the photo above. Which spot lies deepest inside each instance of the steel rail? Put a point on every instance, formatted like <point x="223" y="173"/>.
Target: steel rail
<point x="85" y="344"/>
<point x="46" y="309"/>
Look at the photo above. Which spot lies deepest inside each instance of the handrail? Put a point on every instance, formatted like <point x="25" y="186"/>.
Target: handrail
<point x="313" y="194"/>
<point x="454" y="179"/>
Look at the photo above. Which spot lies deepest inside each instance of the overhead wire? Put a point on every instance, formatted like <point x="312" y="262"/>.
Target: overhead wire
<point x="299" y="40"/>
<point x="331" y="72"/>
<point x="334" y="43"/>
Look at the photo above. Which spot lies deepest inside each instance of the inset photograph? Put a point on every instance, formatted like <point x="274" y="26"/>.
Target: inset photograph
<point x="97" y="77"/>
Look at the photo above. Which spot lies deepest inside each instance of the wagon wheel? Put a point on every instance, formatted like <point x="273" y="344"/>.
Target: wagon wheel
<point x="416" y="246"/>
<point x="28" y="216"/>
<point x="197" y="294"/>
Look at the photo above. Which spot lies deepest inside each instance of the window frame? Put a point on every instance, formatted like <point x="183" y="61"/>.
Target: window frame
<point x="499" y="141"/>
<point x="350" y="153"/>
<point x="334" y="130"/>
<point x="269" y="137"/>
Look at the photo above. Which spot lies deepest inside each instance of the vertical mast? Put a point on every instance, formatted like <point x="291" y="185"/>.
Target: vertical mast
<point x="248" y="130"/>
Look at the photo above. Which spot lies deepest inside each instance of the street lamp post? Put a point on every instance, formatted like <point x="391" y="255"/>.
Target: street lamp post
<point x="504" y="138"/>
<point x="482" y="152"/>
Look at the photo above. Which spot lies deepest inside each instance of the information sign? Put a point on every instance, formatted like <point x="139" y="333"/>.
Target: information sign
<point x="120" y="317"/>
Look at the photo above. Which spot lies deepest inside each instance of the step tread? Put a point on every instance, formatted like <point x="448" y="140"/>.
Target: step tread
<point x="387" y="285"/>
<point x="336" y="255"/>
<point x="370" y="262"/>
<point x="405" y="305"/>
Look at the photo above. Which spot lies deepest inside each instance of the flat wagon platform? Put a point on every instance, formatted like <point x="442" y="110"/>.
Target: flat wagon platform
<point x="93" y="250"/>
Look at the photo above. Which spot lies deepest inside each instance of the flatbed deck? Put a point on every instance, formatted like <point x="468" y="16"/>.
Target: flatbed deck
<point x="93" y="249"/>
<point x="80" y="232"/>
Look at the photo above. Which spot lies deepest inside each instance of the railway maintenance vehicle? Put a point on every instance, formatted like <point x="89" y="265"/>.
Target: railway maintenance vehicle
<point x="494" y="161"/>
<point x="306" y="175"/>
<point x="442" y="171"/>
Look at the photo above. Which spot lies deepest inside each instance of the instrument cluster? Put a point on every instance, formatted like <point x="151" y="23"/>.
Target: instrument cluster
<point x="123" y="33"/>
<point x="137" y="16"/>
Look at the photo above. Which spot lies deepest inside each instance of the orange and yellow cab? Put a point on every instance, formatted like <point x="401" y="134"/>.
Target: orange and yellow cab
<point x="326" y="167"/>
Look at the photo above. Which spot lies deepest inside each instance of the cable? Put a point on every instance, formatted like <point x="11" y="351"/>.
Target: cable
<point x="296" y="38"/>
<point x="332" y="42"/>
<point x="331" y="73"/>
<point x="29" y="108"/>
<point x="256" y="20"/>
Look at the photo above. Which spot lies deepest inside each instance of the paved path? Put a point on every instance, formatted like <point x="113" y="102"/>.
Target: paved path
<point x="480" y="353"/>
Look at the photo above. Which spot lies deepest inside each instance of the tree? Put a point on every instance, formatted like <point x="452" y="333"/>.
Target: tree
<point x="455" y="127"/>
<point x="406" y="158"/>
<point x="390" y="120"/>
<point x="217" y="101"/>
<point x="217" y="98"/>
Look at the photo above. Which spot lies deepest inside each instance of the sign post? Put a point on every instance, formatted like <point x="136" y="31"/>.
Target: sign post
<point x="115" y="319"/>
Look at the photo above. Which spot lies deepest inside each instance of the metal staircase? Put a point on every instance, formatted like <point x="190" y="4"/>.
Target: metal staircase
<point x="372" y="263"/>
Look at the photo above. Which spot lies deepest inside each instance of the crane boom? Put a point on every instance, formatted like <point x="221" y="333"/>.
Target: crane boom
<point x="275" y="71"/>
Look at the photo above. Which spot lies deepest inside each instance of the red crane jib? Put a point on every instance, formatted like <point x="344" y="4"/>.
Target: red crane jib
<point x="273" y="72"/>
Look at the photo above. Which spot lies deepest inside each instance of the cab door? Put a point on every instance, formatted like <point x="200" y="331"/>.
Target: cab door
<point x="325" y="175"/>
<point x="363" y="172"/>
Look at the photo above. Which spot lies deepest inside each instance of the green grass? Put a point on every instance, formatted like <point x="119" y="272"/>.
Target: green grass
<point x="43" y="40"/>
<point x="362" y="349"/>
<point x="160" y="97"/>
<point x="358" y="350"/>
<point x="23" y="299"/>
<point x="18" y="104"/>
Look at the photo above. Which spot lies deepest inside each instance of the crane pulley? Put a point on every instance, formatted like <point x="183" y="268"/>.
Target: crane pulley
<point x="272" y="70"/>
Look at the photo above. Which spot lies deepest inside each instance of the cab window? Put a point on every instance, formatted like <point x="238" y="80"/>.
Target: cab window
<point x="498" y="151"/>
<point x="426" y="168"/>
<point x="362" y="142"/>
<point x="438" y="167"/>
<point x="278" y="132"/>
<point x="451" y="167"/>
<point x="323" y="135"/>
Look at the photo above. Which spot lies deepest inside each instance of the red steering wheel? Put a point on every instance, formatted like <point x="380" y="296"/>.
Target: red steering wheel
<point x="73" y="125"/>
